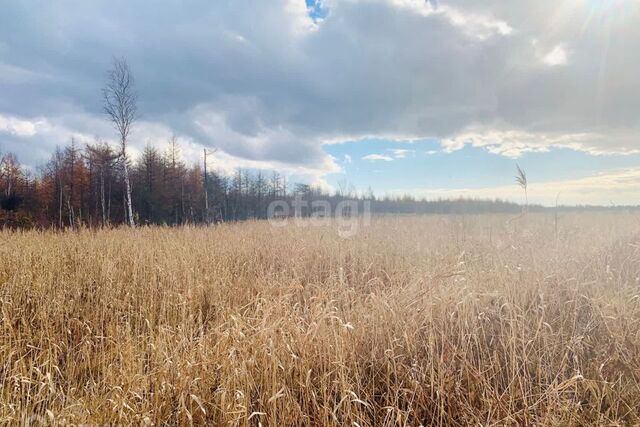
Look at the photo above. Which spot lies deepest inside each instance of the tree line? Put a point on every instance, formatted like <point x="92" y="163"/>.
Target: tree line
<point x="86" y="186"/>
<point x="98" y="184"/>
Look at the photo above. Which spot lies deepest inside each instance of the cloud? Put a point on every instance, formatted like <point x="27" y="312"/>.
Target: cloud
<point x="377" y="157"/>
<point x="268" y="82"/>
<point x="514" y="143"/>
<point x="557" y="56"/>
<point x="18" y="127"/>
<point x="480" y="26"/>
<point x="13" y="75"/>
<point x="37" y="139"/>
<point x="400" y="153"/>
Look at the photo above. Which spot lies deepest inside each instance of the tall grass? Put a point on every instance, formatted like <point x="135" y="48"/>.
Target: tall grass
<point x="431" y="320"/>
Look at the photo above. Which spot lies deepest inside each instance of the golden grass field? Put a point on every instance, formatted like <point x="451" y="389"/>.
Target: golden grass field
<point x="440" y="320"/>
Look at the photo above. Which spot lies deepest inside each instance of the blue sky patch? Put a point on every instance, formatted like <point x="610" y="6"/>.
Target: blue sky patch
<point x="317" y="11"/>
<point x="389" y="166"/>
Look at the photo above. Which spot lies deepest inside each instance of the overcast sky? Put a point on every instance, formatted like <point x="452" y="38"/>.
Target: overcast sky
<point x="435" y="98"/>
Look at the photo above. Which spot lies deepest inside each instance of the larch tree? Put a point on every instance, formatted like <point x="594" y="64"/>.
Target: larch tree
<point x="120" y="106"/>
<point x="102" y="158"/>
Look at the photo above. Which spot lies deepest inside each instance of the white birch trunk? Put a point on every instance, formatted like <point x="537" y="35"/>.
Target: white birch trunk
<point x="127" y="187"/>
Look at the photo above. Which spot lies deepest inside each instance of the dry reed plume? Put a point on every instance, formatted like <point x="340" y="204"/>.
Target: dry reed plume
<point x="436" y="320"/>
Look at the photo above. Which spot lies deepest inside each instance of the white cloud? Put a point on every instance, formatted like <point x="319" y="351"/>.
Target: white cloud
<point x="36" y="139"/>
<point x="18" y="127"/>
<point x="377" y="157"/>
<point x="400" y="153"/>
<point x="301" y="22"/>
<point x="480" y="26"/>
<point x="557" y="56"/>
<point x="514" y="143"/>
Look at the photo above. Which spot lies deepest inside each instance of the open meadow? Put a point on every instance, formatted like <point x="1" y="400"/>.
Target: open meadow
<point x="434" y="320"/>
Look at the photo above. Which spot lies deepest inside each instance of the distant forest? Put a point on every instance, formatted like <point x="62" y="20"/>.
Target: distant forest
<point x="84" y="186"/>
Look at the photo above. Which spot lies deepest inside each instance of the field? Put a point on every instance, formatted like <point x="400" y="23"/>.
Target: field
<point x="439" y="320"/>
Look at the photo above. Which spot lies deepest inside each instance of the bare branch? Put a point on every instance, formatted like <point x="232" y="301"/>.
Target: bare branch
<point x="120" y="100"/>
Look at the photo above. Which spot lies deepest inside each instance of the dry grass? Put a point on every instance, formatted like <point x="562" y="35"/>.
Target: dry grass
<point x="433" y="321"/>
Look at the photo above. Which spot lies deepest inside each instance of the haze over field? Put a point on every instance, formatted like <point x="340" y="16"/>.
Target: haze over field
<point x="431" y="98"/>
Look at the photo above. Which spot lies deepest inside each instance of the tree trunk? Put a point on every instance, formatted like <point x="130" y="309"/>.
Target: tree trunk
<point x="184" y="214"/>
<point x="104" y="213"/>
<point x="109" y="202"/>
<point x="60" y="223"/>
<point x="127" y="188"/>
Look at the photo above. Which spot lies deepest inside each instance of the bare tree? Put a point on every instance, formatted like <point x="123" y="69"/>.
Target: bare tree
<point x="9" y="172"/>
<point x="59" y="174"/>
<point x="120" y="106"/>
<point x="177" y="171"/>
<point x="102" y="157"/>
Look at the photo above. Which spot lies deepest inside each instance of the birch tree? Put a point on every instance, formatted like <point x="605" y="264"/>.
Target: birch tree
<point x="120" y="106"/>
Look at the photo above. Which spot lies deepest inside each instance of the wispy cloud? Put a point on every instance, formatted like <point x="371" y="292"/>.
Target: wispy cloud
<point x="400" y="153"/>
<point x="514" y="143"/>
<point x="377" y="157"/>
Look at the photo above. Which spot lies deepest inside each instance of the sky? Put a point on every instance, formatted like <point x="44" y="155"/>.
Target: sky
<point x="437" y="98"/>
